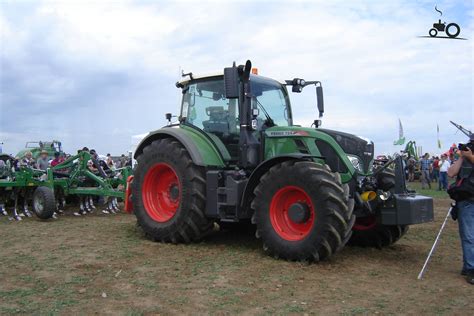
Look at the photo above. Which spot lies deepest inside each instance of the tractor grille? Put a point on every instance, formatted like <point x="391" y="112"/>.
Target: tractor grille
<point x="332" y="159"/>
<point x="354" y="145"/>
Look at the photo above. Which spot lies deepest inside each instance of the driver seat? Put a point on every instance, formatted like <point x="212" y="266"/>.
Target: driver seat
<point x="218" y="123"/>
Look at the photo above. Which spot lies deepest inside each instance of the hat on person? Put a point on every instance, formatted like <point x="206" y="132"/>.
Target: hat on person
<point x="43" y="152"/>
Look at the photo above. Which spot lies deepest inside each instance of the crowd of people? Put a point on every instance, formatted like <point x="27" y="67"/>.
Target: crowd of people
<point x="430" y="169"/>
<point x="43" y="162"/>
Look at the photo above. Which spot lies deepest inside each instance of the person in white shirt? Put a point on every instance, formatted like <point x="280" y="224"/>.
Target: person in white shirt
<point x="443" y="172"/>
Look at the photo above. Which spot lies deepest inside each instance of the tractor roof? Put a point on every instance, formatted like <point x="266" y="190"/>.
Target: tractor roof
<point x="217" y="74"/>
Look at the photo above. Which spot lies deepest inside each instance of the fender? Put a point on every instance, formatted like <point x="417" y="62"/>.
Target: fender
<point x="262" y="168"/>
<point x="202" y="152"/>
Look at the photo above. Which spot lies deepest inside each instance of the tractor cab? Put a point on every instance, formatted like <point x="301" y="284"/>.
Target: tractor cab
<point x="206" y="107"/>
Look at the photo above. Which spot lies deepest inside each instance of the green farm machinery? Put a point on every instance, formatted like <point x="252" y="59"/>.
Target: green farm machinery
<point x="36" y="147"/>
<point x="235" y="158"/>
<point x="47" y="190"/>
<point x="51" y="147"/>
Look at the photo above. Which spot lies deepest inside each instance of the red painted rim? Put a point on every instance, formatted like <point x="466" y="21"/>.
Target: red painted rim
<point x="365" y="223"/>
<point x="282" y="224"/>
<point x="157" y="198"/>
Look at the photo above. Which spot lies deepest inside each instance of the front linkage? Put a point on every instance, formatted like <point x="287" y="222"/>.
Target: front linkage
<point x="385" y="207"/>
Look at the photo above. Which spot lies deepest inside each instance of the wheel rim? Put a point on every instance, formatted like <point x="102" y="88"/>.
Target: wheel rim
<point x="286" y="227"/>
<point x="433" y="32"/>
<point x="38" y="203"/>
<point x="365" y="223"/>
<point x="161" y="192"/>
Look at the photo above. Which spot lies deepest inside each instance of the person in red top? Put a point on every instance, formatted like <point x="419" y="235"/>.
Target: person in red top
<point x="57" y="159"/>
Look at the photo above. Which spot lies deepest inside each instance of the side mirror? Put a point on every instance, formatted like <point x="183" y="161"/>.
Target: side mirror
<point x="231" y="82"/>
<point x="320" y="98"/>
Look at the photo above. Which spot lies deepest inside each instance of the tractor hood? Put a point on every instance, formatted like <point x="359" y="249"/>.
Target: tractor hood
<point x="343" y="152"/>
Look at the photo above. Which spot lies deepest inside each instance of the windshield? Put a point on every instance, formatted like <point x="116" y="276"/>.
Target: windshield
<point x="271" y="98"/>
<point x="205" y="105"/>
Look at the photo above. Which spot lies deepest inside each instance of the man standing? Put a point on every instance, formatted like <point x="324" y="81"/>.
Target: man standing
<point x="43" y="161"/>
<point x="463" y="170"/>
<point x="425" y="171"/>
<point x="443" y="173"/>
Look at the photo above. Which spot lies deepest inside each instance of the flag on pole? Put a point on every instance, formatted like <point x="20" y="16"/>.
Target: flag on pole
<point x="437" y="133"/>
<point x="401" y="138"/>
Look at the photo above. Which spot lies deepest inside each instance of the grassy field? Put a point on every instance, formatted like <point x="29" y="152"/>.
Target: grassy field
<point x="433" y="192"/>
<point x="103" y="264"/>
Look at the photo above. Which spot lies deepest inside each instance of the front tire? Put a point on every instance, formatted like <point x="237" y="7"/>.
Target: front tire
<point x="302" y="211"/>
<point x="169" y="194"/>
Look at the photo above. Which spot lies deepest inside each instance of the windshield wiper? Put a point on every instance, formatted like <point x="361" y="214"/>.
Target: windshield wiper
<point x="268" y="120"/>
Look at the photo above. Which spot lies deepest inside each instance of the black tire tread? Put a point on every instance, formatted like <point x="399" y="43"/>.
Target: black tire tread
<point x="49" y="202"/>
<point x="337" y="215"/>
<point x="379" y="237"/>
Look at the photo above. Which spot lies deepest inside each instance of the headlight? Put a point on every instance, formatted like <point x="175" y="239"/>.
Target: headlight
<point x="355" y="162"/>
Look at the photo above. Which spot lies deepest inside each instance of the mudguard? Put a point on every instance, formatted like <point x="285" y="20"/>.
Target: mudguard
<point x="200" y="148"/>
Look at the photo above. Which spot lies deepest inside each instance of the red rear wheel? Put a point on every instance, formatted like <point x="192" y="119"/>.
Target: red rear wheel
<point x="161" y="192"/>
<point x="292" y="213"/>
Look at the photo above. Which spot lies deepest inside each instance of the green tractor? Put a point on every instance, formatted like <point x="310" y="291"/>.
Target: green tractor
<point x="37" y="147"/>
<point x="235" y="156"/>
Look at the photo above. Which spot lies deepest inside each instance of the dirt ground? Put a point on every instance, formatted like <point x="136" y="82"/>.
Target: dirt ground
<point x="102" y="264"/>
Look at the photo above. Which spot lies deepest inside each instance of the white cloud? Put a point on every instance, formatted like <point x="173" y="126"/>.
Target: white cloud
<point x="373" y="66"/>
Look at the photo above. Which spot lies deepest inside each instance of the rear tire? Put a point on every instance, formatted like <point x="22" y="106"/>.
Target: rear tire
<point x="169" y="194"/>
<point x="320" y="223"/>
<point x="44" y="204"/>
<point x="456" y="33"/>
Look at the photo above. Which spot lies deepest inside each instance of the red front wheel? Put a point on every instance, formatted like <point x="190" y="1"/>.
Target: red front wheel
<point x="168" y="194"/>
<point x="302" y="211"/>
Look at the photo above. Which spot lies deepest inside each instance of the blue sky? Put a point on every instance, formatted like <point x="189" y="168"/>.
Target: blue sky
<point x="95" y="73"/>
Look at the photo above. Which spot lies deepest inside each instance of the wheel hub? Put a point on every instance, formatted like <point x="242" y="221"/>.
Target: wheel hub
<point x="299" y="212"/>
<point x="174" y="192"/>
<point x="292" y="213"/>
